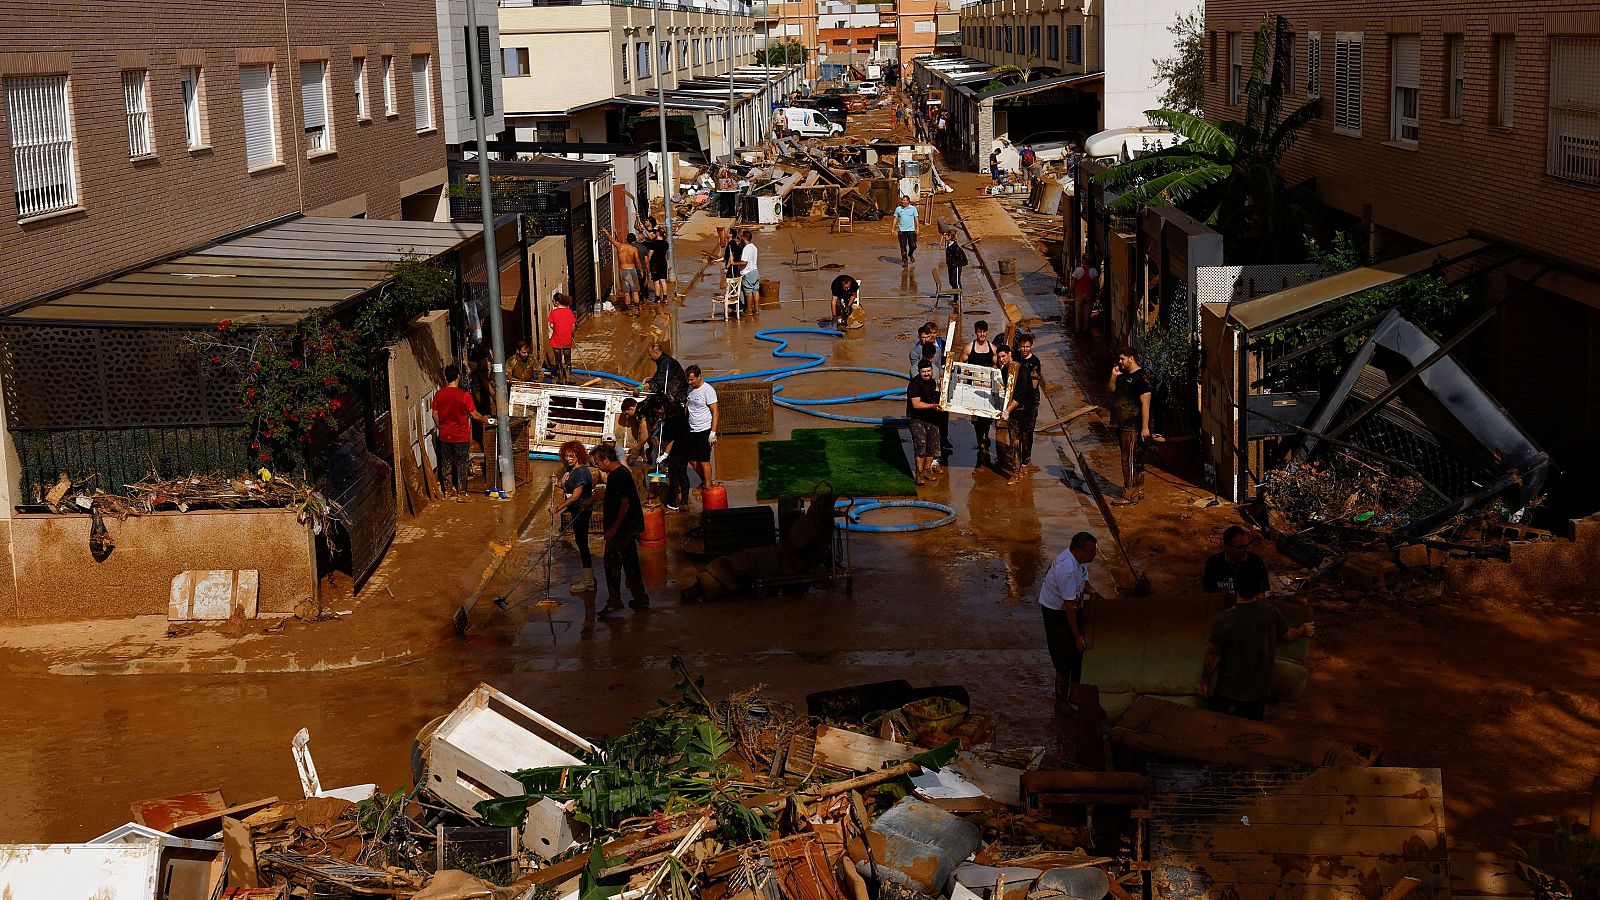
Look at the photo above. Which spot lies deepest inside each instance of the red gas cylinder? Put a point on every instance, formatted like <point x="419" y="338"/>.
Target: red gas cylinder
<point x="655" y="526"/>
<point x="715" y="496"/>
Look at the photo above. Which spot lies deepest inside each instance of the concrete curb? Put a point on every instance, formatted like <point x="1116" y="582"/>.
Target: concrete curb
<point x="223" y="665"/>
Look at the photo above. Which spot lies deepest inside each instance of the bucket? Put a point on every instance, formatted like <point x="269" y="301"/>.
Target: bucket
<point x="769" y="292"/>
<point x="715" y="496"/>
<point x="1008" y="265"/>
<point x="655" y="526"/>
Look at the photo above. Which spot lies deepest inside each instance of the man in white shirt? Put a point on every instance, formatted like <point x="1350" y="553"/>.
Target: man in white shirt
<point x="749" y="271"/>
<point x="703" y="417"/>
<point x="1066" y="585"/>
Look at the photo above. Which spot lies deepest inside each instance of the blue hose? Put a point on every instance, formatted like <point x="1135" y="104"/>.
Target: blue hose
<point x="854" y="509"/>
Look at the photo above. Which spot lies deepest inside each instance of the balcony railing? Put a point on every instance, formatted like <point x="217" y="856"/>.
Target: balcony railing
<point x="740" y="7"/>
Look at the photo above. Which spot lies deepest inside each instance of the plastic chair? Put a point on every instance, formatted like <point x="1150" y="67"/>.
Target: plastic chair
<point x="844" y="224"/>
<point x="732" y="296"/>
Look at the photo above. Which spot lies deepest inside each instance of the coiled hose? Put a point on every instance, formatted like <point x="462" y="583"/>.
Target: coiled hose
<point x="854" y="509"/>
<point x="808" y="363"/>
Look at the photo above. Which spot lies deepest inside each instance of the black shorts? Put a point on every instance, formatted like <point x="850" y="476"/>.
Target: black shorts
<point x="700" y="446"/>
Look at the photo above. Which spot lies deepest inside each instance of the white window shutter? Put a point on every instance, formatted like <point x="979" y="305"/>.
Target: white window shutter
<point x="260" y="123"/>
<point x="39" y="114"/>
<point x="422" y="92"/>
<point x="1407" y="60"/>
<point x="314" y="104"/>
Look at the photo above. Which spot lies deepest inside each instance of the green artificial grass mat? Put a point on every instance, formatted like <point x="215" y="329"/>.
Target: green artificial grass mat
<point x="861" y="462"/>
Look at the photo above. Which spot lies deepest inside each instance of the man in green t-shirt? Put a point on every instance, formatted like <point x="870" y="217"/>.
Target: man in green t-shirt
<point x="1243" y="650"/>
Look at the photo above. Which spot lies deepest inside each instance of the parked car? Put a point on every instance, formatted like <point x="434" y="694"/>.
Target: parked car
<point x="1050" y="146"/>
<point x="868" y="88"/>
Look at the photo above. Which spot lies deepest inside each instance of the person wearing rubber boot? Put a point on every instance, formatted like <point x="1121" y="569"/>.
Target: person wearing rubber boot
<point x="624" y="519"/>
<point x="577" y="493"/>
<point x="922" y="413"/>
<point x="1130" y="415"/>
<point x="1023" y="411"/>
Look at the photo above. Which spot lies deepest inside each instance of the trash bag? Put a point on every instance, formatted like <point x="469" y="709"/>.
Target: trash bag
<point x="100" y="543"/>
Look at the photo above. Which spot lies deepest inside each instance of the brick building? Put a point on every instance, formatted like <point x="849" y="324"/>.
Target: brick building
<point x="1460" y="118"/>
<point x="139" y="130"/>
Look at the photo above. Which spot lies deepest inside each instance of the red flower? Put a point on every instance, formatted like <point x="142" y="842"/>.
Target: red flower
<point x="268" y="432"/>
<point x="255" y="445"/>
<point x="336" y="403"/>
<point x="265" y="457"/>
<point x="214" y="359"/>
<point x="224" y="325"/>
<point x="330" y="381"/>
<point x="251" y="393"/>
<point x="295" y="363"/>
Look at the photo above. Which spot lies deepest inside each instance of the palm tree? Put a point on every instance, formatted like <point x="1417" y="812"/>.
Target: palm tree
<point x="1226" y="174"/>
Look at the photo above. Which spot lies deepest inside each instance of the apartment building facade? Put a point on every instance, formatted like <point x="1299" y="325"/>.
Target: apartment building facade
<point x="779" y="21"/>
<point x="916" y="24"/>
<point x="584" y="61"/>
<point x="150" y="128"/>
<point x="1449" y="118"/>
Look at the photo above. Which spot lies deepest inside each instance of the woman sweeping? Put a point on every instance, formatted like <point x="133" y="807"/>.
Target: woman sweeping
<point x="577" y="492"/>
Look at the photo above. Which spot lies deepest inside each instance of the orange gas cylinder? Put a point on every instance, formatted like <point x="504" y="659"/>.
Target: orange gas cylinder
<point x="715" y="496"/>
<point x="655" y="526"/>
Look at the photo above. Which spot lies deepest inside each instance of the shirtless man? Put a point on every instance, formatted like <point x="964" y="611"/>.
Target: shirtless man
<point x="632" y="270"/>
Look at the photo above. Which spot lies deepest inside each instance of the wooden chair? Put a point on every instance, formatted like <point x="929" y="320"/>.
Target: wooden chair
<point x="801" y="253"/>
<point x="732" y="296"/>
<point x="844" y="224"/>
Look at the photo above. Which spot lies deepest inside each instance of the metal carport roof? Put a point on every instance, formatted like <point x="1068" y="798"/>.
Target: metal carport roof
<point x="1275" y="307"/>
<point x="1043" y="84"/>
<point x="271" y="277"/>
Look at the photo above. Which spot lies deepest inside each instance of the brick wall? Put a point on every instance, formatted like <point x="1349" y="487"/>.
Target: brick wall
<point x="132" y="211"/>
<point x="1460" y="174"/>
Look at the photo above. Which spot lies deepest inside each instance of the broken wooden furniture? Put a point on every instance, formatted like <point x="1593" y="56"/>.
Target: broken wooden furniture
<point x="731" y="299"/>
<point x="467" y="758"/>
<point x="561" y="413"/>
<point x="1172" y="732"/>
<point x="1310" y="833"/>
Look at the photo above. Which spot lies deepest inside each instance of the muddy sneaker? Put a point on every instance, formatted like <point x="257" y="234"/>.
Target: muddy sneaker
<point x="609" y="611"/>
<point x="920" y="480"/>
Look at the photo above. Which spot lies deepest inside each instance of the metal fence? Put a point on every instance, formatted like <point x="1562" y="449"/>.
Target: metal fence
<point x="117" y="457"/>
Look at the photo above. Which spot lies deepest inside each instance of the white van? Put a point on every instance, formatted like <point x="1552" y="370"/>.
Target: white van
<point x="1122" y="144"/>
<point x="806" y="122"/>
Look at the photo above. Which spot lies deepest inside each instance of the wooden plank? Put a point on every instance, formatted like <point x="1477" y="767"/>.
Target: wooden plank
<point x="163" y="812"/>
<point x="858" y="752"/>
<point x="210" y="823"/>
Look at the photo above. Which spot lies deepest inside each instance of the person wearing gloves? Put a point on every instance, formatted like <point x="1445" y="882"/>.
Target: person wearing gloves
<point x="703" y="416"/>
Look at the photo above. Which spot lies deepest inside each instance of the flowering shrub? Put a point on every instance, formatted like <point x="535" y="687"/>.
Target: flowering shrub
<point x="290" y="380"/>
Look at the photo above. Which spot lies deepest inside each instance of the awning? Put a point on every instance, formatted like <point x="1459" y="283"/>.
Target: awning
<point x="1276" y="307"/>
<point x="1043" y="84"/>
<point x="272" y="276"/>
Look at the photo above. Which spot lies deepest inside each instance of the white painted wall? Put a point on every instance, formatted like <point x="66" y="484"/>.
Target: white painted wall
<point x="454" y="67"/>
<point x="1135" y="36"/>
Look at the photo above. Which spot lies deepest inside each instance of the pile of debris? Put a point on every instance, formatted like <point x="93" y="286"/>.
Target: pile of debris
<point x="880" y="792"/>
<point x="262" y="490"/>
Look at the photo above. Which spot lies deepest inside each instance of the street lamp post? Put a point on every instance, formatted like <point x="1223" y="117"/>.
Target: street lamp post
<point x="666" y="159"/>
<point x="507" y="480"/>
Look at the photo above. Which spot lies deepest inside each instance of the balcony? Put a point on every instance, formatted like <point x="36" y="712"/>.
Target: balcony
<point x="740" y="7"/>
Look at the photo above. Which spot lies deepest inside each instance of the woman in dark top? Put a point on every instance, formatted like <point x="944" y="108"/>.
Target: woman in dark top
<point x="981" y="352"/>
<point x="577" y="492"/>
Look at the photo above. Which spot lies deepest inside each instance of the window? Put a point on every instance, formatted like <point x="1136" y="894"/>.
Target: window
<point x="1022" y="39"/>
<point x="624" y="55"/>
<point x="719" y="49"/>
<point x="664" y="57"/>
<point x="1033" y="40"/>
<point x="43" y="171"/>
<point x="1347" y="50"/>
<point x="1314" y="65"/>
<point x="515" y="61"/>
<point x="1052" y="41"/>
<point x="1235" y="67"/>
<point x="1211" y="57"/>
<point x="136" y="103"/>
<point x="641" y="59"/>
<point x="1405" y="72"/>
<point x="388" y="86"/>
<point x="551" y="132"/>
<point x="694" y="48"/>
<point x="1075" y="43"/>
<point x="683" y="54"/>
<point x="1455" y="75"/>
<point x="194" y="133"/>
<point x="422" y="90"/>
<point x="486" y="79"/>
<point x="1575" y="108"/>
<point x="1505" y="80"/>
<point x="358" y="71"/>
<point x="260" y="116"/>
<point x="1007" y="32"/>
<point x="314" y="106"/>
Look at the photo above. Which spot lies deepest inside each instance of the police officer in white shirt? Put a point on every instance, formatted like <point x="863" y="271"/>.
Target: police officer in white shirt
<point x="1066" y="586"/>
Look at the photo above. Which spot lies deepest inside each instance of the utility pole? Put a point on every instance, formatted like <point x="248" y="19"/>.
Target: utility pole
<point x="666" y="165"/>
<point x="507" y="479"/>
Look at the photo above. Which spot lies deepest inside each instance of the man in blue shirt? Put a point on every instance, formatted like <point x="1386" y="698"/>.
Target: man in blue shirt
<point x="905" y="217"/>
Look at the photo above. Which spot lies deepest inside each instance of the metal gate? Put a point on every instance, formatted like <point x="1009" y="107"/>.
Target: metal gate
<point x="641" y="188"/>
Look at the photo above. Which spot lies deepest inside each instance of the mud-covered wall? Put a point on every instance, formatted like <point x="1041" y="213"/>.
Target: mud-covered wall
<point x="52" y="575"/>
<point x="1554" y="568"/>
<point x="416" y="370"/>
